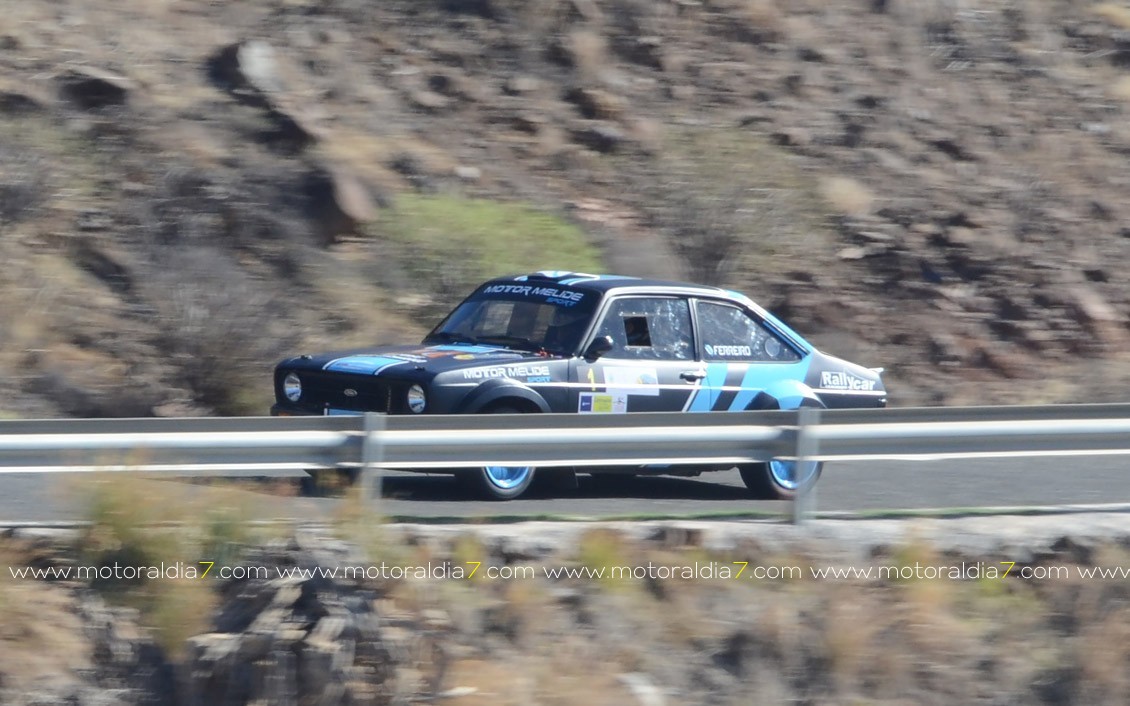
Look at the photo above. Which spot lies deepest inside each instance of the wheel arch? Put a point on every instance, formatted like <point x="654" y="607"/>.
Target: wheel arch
<point x="493" y="394"/>
<point x="786" y="394"/>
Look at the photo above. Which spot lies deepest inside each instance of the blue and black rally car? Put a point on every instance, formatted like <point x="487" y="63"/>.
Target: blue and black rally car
<point x="590" y="344"/>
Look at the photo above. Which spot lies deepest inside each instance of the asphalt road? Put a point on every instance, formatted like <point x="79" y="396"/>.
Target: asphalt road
<point x="857" y="486"/>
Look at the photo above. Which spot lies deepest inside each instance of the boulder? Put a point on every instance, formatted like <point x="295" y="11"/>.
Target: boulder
<point x="91" y="88"/>
<point x="602" y="137"/>
<point x="597" y="104"/>
<point x="338" y="202"/>
<point x="1098" y="316"/>
<point x="251" y="67"/>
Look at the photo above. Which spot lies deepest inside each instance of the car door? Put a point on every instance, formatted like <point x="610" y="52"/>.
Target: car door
<point x="651" y="366"/>
<point x="742" y="358"/>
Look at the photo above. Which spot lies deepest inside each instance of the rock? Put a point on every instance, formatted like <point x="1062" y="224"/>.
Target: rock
<point x="338" y="201"/>
<point x="586" y="10"/>
<point x="648" y="51"/>
<point x="791" y="137"/>
<point x="601" y="137"/>
<point x="597" y="104"/>
<point x="1098" y="316"/>
<point x="20" y="102"/>
<point x="468" y="173"/>
<point x="429" y="101"/>
<point x="321" y="667"/>
<point x="454" y="84"/>
<point x="812" y="55"/>
<point x="482" y="8"/>
<point x="531" y="123"/>
<point x="643" y="689"/>
<point x="944" y="349"/>
<point x="91" y="88"/>
<point x="247" y="67"/>
<point x="675" y="536"/>
<point x="521" y="85"/>
<point x="681" y="92"/>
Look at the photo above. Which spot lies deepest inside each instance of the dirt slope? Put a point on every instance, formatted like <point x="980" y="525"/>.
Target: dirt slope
<point x="190" y="189"/>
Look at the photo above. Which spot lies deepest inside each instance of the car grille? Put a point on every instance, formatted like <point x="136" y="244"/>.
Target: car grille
<point x="329" y="390"/>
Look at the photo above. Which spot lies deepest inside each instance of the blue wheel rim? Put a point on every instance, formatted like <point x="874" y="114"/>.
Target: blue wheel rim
<point x="507" y="477"/>
<point x="785" y="473"/>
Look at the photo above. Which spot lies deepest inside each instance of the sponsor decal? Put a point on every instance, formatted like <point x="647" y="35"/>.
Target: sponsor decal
<point x="350" y="392"/>
<point x="632" y="381"/>
<point x="552" y="295"/>
<point x="844" y="381"/>
<point x="533" y="373"/>
<point x="464" y="356"/>
<point x="594" y="403"/>
<point x="365" y="364"/>
<point x="729" y="351"/>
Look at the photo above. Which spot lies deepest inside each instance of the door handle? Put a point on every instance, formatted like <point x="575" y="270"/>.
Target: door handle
<point x="692" y="375"/>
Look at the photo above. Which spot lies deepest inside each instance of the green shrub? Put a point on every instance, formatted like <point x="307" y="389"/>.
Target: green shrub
<point x="442" y="245"/>
<point x="732" y="205"/>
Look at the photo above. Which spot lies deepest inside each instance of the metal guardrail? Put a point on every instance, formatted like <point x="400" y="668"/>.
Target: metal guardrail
<point x="431" y="442"/>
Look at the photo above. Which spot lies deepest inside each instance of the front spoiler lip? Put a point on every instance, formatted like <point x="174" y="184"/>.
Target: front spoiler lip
<point x="281" y="410"/>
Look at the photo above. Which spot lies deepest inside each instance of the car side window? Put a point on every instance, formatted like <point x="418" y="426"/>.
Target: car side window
<point x="729" y="333"/>
<point x="649" y="328"/>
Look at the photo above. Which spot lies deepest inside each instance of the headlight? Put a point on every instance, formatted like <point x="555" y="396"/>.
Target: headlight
<point x="417" y="400"/>
<point x="292" y="387"/>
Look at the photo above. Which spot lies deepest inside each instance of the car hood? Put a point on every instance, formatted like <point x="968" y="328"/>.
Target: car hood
<point x="433" y="359"/>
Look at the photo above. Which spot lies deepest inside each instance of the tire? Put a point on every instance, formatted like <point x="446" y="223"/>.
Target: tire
<point x="777" y="480"/>
<point x="502" y="482"/>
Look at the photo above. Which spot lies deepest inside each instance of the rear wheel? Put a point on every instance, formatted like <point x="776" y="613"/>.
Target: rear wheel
<point x="503" y="482"/>
<point x="778" y="479"/>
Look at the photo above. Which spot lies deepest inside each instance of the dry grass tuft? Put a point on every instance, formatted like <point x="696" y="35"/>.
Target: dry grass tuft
<point x="140" y="524"/>
<point x="849" y="637"/>
<point x="38" y="629"/>
<point x="847" y="196"/>
<point x="765" y="16"/>
<point x="603" y="550"/>
<point x="1121" y="89"/>
<point x="589" y="51"/>
<point x="1115" y="13"/>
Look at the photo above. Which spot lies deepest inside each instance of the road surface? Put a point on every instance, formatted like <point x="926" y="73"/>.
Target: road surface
<point x="845" y="486"/>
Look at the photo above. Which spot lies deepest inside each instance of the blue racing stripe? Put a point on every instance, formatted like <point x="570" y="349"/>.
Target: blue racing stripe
<point x="466" y="348"/>
<point x="363" y="364"/>
<point x="759" y="376"/>
<point x="711" y="389"/>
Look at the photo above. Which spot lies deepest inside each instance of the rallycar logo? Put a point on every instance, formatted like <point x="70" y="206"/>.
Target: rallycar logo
<point x="845" y="381"/>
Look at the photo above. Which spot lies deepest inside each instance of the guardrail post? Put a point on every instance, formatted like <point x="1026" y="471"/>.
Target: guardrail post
<point x="804" y="502"/>
<point x="372" y="458"/>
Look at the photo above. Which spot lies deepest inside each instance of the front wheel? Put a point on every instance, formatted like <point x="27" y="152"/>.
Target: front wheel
<point x="503" y="482"/>
<point x="779" y="480"/>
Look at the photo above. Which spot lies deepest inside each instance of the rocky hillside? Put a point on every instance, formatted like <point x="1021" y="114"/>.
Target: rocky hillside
<point x="409" y="625"/>
<point x="190" y="189"/>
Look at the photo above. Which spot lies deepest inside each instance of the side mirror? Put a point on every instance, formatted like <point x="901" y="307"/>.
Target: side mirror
<point x="598" y="347"/>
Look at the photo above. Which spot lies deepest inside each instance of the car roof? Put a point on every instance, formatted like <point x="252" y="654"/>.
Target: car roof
<point x="607" y="282"/>
<point x="604" y="283"/>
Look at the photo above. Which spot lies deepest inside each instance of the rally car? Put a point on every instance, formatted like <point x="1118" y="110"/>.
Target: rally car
<point x="589" y="344"/>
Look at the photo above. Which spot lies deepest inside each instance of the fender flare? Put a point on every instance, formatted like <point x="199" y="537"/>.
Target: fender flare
<point x="786" y="394"/>
<point x="496" y="389"/>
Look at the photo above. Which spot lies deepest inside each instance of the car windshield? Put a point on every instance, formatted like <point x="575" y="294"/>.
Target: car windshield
<point x="520" y="316"/>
